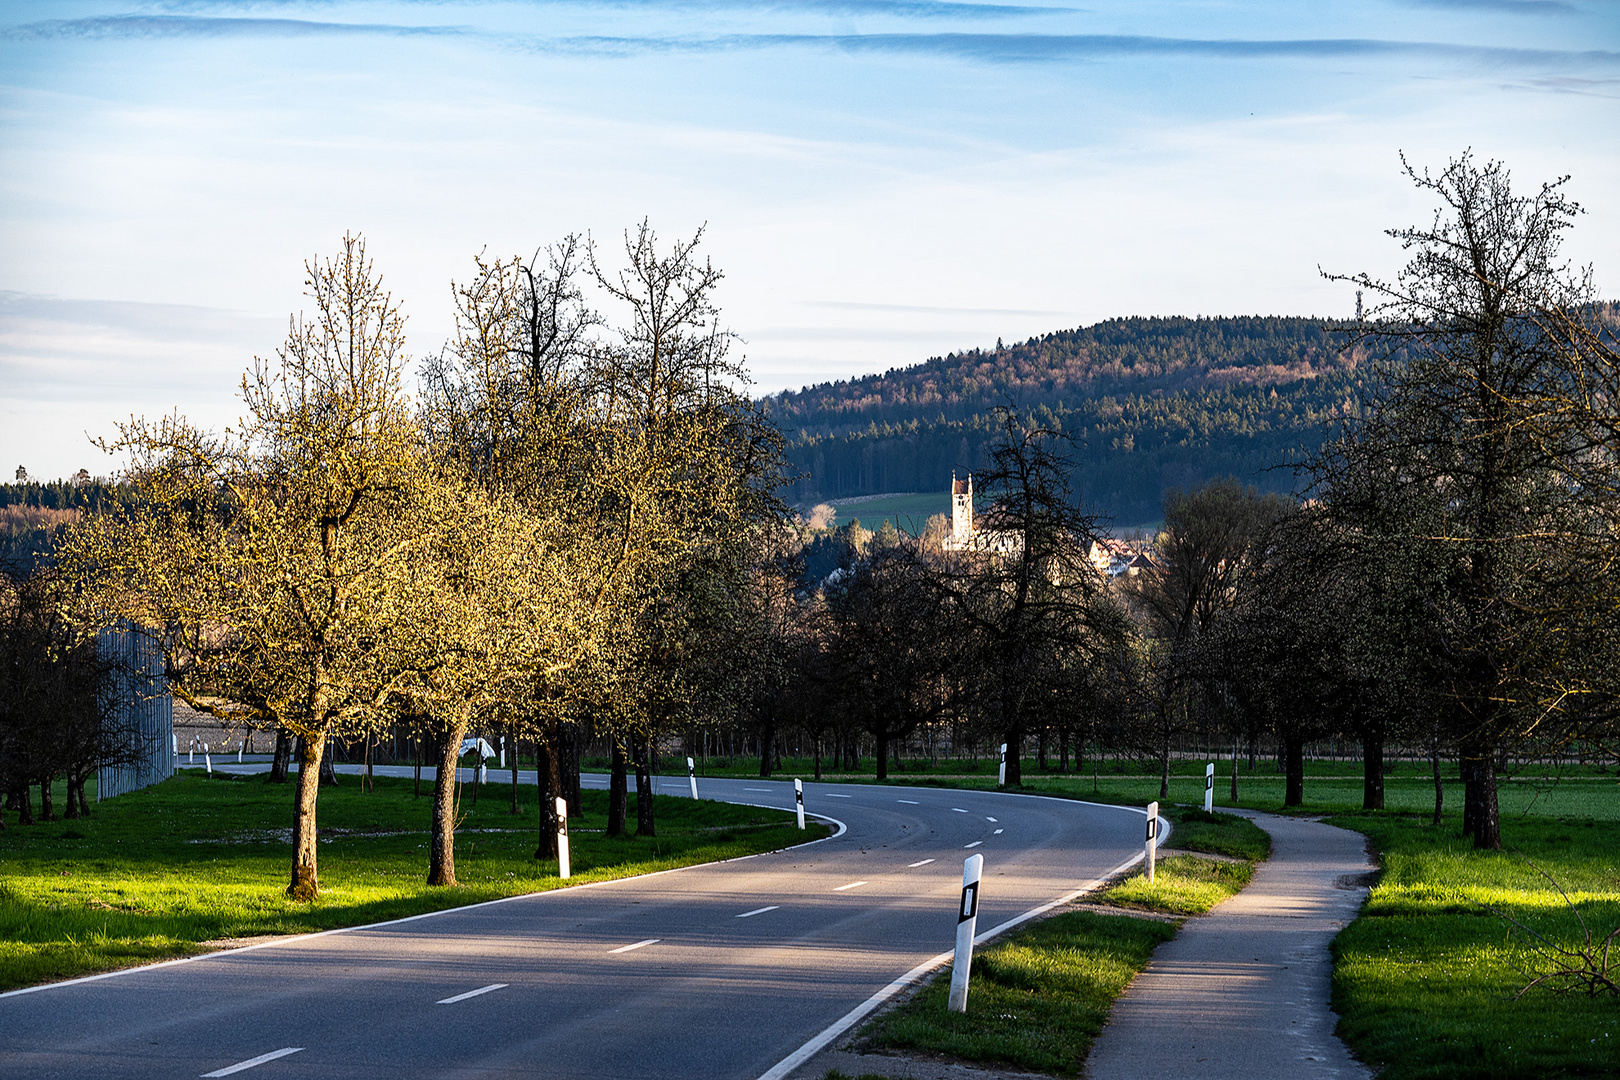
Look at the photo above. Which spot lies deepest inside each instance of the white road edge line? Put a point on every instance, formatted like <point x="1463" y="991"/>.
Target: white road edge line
<point x="851" y="885"/>
<point x="783" y="1068"/>
<point x="637" y="945"/>
<point x="251" y="1062"/>
<point x="471" y="993"/>
<point x="758" y="911"/>
<point x="914" y="865"/>
<point x="975" y="843"/>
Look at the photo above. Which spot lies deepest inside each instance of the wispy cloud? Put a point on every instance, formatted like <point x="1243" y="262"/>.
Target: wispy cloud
<point x="995" y="48"/>
<point x="917" y="309"/>
<point x="117" y="27"/>
<point x="1514" y="7"/>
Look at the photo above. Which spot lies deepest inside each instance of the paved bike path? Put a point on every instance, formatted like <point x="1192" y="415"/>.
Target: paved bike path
<point x="1242" y="993"/>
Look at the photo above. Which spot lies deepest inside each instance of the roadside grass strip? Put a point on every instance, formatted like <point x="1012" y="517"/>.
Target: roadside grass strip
<point x="199" y="863"/>
<point x="1038" y="999"/>
<point x="1425" y="981"/>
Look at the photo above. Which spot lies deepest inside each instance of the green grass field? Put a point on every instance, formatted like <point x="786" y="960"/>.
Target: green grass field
<point x="156" y="873"/>
<point x="1424" y="982"/>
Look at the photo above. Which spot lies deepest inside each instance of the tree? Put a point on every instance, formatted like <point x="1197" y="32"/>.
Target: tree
<point x="1038" y="594"/>
<point x="1212" y="541"/>
<point x="1470" y="420"/>
<point x="279" y="561"/>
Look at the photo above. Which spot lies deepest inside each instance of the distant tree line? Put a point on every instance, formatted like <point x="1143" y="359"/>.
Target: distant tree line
<point x="1149" y="404"/>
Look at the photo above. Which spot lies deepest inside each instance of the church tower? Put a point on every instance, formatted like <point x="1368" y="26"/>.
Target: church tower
<point x="961" y="511"/>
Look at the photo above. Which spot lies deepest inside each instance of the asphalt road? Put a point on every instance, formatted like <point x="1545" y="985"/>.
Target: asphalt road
<point x="720" y="971"/>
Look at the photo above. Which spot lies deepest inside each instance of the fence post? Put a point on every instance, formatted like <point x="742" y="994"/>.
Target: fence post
<point x="967" y="920"/>
<point x="562" y="838"/>
<point x="1152" y="836"/>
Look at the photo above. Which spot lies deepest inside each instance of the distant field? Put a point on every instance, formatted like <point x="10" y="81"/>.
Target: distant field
<point x="909" y="513"/>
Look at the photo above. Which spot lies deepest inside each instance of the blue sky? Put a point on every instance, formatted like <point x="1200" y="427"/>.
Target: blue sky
<point x="882" y="180"/>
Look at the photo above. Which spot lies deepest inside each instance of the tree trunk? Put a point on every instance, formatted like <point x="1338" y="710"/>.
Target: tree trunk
<point x="328" y="771"/>
<point x="71" y="812"/>
<point x="1466" y="767"/>
<point x="1234" y="769"/>
<point x="418" y="741"/>
<point x="1294" y="770"/>
<point x="618" y="795"/>
<point x="47" y="805"/>
<point x="644" y="792"/>
<point x="1015" y="758"/>
<point x="442" y="844"/>
<point x="546" y="841"/>
<point x="548" y="774"/>
<point x="1063" y="750"/>
<point x="816" y="743"/>
<point x="1481" y="792"/>
<point x="305" y="884"/>
<point x="512" y="745"/>
<point x="22" y="800"/>
<point x="1372" y="768"/>
<point x="1164" y="756"/>
<point x="1439" y="783"/>
<point x="767" y="749"/>
<point x="881" y="737"/>
<point x="568" y="747"/>
<point x="282" y="758"/>
<point x="1041" y="739"/>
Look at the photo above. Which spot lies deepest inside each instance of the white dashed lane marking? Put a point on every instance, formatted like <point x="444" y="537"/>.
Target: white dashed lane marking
<point x="251" y="1062"/>
<point x="958" y="810"/>
<point x="830" y="795"/>
<point x="470" y="994"/>
<point x="925" y="862"/>
<point x="989" y="819"/>
<point x="908" y="802"/>
<point x="758" y="911"/>
<point x="851" y="885"/>
<point x="637" y="945"/>
<point x="975" y="843"/>
<point x="996" y="833"/>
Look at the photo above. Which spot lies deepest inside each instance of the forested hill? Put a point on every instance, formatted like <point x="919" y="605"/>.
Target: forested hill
<point x="1151" y="403"/>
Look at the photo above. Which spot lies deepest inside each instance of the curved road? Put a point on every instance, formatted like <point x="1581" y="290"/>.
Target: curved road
<point x="730" y="970"/>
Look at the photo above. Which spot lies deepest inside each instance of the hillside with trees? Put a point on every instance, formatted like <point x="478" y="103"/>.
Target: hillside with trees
<point x="1151" y="404"/>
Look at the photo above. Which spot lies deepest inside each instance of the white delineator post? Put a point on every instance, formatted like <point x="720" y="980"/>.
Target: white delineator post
<point x="207" y="760"/>
<point x="562" y="838"/>
<point x="239" y="748"/>
<point x="967" y="920"/>
<point x="1209" y="788"/>
<point x="798" y="800"/>
<point x="1001" y="772"/>
<point x="1152" y="836"/>
<point x="191" y="752"/>
<point x="691" y="776"/>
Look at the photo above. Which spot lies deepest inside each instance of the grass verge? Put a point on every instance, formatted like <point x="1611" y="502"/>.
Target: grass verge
<point x="1424" y="982"/>
<point x="1038" y="999"/>
<point x="156" y="873"/>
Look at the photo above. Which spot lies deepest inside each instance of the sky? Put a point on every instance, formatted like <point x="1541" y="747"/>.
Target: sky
<point x="881" y="180"/>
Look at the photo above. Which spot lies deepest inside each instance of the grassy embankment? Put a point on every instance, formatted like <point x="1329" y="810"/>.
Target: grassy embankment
<point x="157" y="873"/>
<point x="1038" y="999"/>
